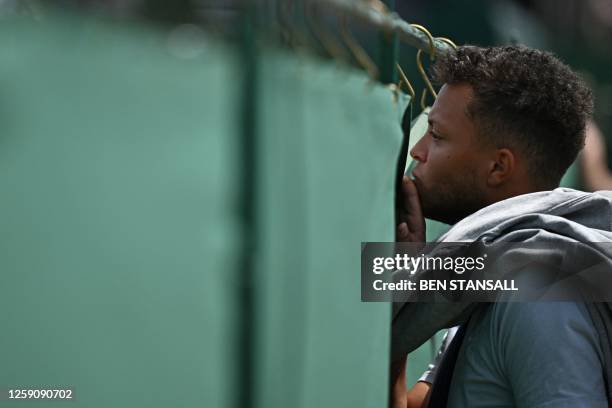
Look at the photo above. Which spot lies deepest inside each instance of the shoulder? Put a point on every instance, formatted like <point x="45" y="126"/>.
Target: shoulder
<point x="540" y="317"/>
<point x="548" y="350"/>
<point x="541" y="325"/>
<point x="531" y="355"/>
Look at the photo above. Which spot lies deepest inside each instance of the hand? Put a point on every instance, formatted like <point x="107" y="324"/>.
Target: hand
<point x="401" y="397"/>
<point x="411" y="223"/>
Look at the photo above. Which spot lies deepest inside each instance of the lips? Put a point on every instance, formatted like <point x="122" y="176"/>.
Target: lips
<point x="417" y="182"/>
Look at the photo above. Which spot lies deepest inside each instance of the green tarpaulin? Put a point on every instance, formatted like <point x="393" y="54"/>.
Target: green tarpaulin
<point x="328" y="154"/>
<point x="120" y="238"/>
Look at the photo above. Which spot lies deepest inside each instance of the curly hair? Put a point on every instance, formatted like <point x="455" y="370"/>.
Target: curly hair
<point x="525" y="99"/>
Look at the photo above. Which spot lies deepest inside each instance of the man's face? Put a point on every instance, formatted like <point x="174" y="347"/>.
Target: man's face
<point x="450" y="174"/>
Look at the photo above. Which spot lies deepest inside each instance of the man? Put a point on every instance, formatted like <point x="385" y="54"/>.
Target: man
<point x="506" y="125"/>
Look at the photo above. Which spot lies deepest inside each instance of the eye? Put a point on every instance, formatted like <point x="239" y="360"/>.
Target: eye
<point x="435" y="135"/>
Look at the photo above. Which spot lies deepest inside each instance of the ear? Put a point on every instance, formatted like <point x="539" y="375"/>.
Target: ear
<point x="502" y="167"/>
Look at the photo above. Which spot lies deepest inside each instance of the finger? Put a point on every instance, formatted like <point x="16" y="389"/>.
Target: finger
<point x="402" y="231"/>
<point x="412" y="204"/>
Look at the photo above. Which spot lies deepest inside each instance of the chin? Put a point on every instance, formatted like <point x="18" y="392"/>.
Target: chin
<point x="448" y="205"/>
<point x="445" y="218"/>
<point x="450" y="216"/>
<point x="442" y="213"/>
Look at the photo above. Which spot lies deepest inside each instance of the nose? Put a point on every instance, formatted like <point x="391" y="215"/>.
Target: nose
<point x="419" y="151"/>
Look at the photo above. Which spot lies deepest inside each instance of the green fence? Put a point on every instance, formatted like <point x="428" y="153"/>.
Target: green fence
<point x="120" y="235"/>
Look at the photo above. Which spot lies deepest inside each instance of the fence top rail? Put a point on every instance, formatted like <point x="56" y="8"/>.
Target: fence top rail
<point x="389" y="22"/>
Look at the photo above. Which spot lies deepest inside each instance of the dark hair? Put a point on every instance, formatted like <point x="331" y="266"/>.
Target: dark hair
<point x="525" y="99"/>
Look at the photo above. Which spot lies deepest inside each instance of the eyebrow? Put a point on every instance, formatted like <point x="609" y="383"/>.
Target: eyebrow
<point x="433" y="122"/>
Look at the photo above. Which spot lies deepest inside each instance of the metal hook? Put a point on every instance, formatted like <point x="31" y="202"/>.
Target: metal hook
<point x="291" y="32"/>
<point x="447" y="41"/>
<point x="421" y="69"/>
<point x="432" y="45"/>
<point x="358" y="52"/>
<point x="329" y="44"/>
<point x="404" y="80"/>
<point x="423" y="99"/>
<point x="283" y="9"/>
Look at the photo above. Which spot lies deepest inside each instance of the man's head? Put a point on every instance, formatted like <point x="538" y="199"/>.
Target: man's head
<point x="508" y="120"/>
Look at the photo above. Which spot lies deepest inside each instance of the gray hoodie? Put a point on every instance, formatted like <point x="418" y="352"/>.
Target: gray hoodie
<point x="559" y="216"/>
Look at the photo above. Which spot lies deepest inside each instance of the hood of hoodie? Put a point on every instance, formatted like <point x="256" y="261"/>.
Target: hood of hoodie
<point x="578" y="212"/>
<point x="560" y="215"/>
